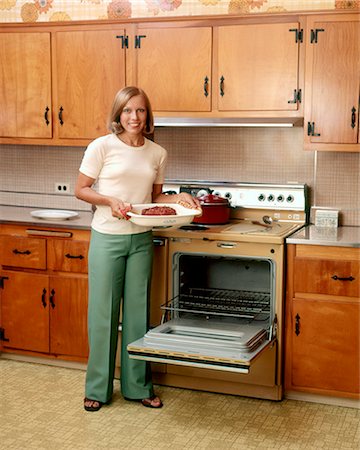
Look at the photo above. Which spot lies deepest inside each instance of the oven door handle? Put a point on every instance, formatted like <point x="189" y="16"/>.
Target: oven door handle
<point x="226" y="244"/>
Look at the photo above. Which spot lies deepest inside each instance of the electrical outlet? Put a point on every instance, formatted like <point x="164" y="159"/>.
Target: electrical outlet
<point x="62" y="188"/>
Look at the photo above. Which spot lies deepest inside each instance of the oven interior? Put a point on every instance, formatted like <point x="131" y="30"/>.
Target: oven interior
<point x="221" y="297"/>
<point x="224" y="287"/>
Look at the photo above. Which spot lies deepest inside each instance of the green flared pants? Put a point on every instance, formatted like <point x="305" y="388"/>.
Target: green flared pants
<point x="119" y="276"/>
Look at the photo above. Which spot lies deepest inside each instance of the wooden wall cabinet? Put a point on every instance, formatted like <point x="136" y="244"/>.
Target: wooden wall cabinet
<point x="25" y="85"/>
<point x="332" y="83"/>
<point x="322" y="345"/>
<point x="234" y="69"/>
<point x="43" y="292"/>
<point x="257" y="70"/>
<point x="58" y="84"/>
<point x="58" y="81"/>
<point x="173" y="65"/>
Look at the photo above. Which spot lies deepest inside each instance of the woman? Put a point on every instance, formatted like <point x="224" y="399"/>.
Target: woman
<point x="128" y="168"/>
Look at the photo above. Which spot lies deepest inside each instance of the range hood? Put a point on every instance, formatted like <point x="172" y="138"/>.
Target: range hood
<point x="226" y="122"/>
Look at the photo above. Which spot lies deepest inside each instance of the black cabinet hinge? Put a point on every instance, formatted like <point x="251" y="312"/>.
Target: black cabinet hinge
<point x="314" y="35"/>
<point x="138" y="40"/>
<point x="311" y="129"/>
<point x="2" y="281"/>
<point x="124" y="40"/>
<point x="299" y="34"/>
<point x="2" y="335"/>
<point x="297" y="96"/>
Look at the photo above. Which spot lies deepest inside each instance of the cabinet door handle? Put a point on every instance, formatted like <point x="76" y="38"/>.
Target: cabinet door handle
<point x="46" y="115"/>
<point x="222" y="79"/>
<point x="206" y="86"/>
<point x="61" y="115"/>
<point x="335" y="277"/>
<point x="43" y="298"/>
<point x="19" y="252"/>
<point x="297" y="324"/>
<point x="74" y="256"/>
<point x="51" y="298"/>
<point x="353" y="117"/>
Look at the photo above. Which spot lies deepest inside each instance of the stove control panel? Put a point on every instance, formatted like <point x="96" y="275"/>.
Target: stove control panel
<point x="254" y="196"/>
<point x="264" y="198"/>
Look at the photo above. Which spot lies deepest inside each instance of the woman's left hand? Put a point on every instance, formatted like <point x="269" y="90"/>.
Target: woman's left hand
<point x="187" y="199"/>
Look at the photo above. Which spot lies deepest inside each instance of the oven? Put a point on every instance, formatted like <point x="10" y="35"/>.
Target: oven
<point x="222" y="324"/>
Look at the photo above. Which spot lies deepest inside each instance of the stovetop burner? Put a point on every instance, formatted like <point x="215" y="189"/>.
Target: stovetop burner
<point x="194" y="227"/>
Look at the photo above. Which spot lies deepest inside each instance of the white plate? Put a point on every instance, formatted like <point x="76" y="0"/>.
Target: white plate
<point x="54" y="214"/>
<point x="182" y="217"/>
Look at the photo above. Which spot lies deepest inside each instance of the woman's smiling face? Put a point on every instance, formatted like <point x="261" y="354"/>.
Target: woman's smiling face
<point x="133" y="116"/>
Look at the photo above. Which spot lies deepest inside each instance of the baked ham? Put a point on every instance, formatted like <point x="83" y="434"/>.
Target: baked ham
<point x="159" y="211"/>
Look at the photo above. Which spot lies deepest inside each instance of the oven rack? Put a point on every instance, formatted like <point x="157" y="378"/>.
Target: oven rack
<point x="221" y="302"/>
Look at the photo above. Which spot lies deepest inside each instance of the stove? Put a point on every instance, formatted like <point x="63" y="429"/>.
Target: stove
<point x="224" y="310"/>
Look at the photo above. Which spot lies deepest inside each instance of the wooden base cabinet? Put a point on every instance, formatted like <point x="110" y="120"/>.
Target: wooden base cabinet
<point x="322" y="351"/>
<point x="44" y="292"/>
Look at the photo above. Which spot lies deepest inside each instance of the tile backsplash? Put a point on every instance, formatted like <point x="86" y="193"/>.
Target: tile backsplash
<point x="28" y="173"/>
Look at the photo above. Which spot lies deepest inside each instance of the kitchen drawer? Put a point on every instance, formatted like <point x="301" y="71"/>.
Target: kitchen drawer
<point x="325" y="276"/>
<point x="17" y="251"/>
<point x="67" y="255"/>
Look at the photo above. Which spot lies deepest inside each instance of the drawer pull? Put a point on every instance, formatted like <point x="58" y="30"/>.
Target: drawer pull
<point x="43" y="298"/>
<point x="19" y="252"/>
<point x="226" y="244"/>
<point x="32" y="232"/>
<point x="74" y="256"/>
<point x="335" y="277"/>
<point x="51" y="298"/>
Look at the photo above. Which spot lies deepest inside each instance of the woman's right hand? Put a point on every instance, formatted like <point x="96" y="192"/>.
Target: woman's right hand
<point x="119" y="208"/>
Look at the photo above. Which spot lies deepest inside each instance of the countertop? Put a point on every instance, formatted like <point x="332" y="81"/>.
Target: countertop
<point x="338" y="237"/>
<point x="310" y="235"/>
<point x="21" y="214"/>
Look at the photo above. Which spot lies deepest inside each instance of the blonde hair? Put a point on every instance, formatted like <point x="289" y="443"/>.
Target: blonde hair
<point x="121" y="99"/>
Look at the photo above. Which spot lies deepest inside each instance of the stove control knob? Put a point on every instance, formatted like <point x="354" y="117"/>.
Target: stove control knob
<point x="280" y="198"/>
<point x="290" y="198"/>
<point x="201" y="192"/>
<point x="228" y="195"/>
<point x="261" y="197"/>
<point x="271" y="198"/>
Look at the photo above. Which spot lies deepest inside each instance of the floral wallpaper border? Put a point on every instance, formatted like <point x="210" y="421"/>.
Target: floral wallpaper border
<point x="68" y="10"/>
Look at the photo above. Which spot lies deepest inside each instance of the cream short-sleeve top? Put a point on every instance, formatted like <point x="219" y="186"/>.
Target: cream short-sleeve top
<point x="124" y="172"/>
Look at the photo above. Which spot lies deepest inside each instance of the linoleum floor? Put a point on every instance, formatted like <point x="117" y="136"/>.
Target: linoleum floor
<point x="41" y="408"/>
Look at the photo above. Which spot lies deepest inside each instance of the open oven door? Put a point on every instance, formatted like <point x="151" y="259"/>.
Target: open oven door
<point x="203" y="344"/>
